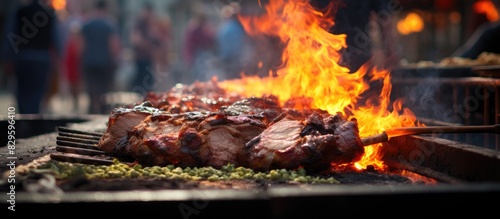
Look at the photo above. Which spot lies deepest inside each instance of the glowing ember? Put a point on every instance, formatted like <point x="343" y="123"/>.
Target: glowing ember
<point x="415" y="178"/>
<point x="311" y="73"/>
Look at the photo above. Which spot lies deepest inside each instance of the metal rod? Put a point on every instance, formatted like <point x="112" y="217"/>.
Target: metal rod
<point x="75" y="158"/>
<point x="81" y="136"/>
<point x="78" y="140"/>
<point x="382" y="137"/>
<point x="497" y="116"/>
<point x="486" y="117"/>
<point x="468" y="113"/>
<point x="455" y="101"/>
<point x="76" y="144"/>
<point x="82" y="151"/>
<point x="394" y="132"/>
<point x="74" y="131"/>
<point x="443" y="129"/>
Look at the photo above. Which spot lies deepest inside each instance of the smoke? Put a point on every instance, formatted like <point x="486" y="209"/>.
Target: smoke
<point x="448" y="99"/>
<point x="426" y="101"/>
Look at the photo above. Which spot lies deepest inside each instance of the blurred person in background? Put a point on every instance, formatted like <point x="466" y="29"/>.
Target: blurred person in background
<point x="101" y="46"/>
<point x="163" y="31"/>
<point x="233" y="44"/>
<point x="71" y="62"/>
<point x="71" y="23"/>
<point x="146" y="43"/>
<point x="199" y="47"/>
<point x="30" y="49"/>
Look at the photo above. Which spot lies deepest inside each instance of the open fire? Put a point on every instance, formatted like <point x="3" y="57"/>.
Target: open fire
<point x="313" y="78"/>
<point x="313" y="113"/>
<point x="309" y="79"/>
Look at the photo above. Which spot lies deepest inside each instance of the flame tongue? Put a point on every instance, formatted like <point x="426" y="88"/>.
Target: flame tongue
<point x="311" y="72"/>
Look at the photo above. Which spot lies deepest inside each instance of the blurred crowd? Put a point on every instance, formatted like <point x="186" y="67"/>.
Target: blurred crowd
<point x="45" y="47"/>
<point x="49" y="48"/>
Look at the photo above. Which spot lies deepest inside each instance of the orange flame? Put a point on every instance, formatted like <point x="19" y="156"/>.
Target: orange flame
<point x="311" y="72"/>
<point x="488" y="8"/>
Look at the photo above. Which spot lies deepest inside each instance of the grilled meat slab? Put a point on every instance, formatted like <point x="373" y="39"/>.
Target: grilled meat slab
<point x="120" y="121"/>
<point x="312" y="142"/>
<point x="183" y="128"/>
<point x="192" y="139"/>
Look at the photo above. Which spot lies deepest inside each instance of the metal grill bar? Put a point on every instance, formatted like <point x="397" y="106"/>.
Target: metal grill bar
<point x="82" y="151"/>
<point x="80" y="136"/>
<point x="79" y="146"/>
<point x="76" y="143"/>
<point x="78" y="139"/>
<point x="62" y="129"/>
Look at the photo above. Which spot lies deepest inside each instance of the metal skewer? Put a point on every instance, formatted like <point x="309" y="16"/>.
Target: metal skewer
<point x="394" y="132"/>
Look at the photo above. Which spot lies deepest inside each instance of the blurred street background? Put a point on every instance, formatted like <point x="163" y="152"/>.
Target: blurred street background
<point x="184" y="38"/>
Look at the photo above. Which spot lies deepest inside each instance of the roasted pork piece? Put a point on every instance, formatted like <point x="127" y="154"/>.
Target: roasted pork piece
<point x="120" y="121"/>
<point x="123" y="119"/>
<point x="215" y="139"/>
<point x="251" y="132"/>
<point x="192" y="139"/>
<point x="314" y="142"/>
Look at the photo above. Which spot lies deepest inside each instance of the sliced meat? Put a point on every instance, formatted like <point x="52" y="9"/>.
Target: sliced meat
<point x="277" y="147"/>
<point x="201" y="125"/>
<point x="123" y="119"/>
<point x="165" y="139"/>
<point x="120" y="121"/>
<point x="295" y="141"/>
<point x="203" y="139"/>
<point x="224" y="139"/>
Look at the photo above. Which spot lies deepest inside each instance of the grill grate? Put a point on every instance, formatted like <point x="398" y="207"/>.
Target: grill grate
<point x="79" y="146"/>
